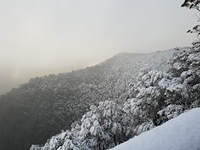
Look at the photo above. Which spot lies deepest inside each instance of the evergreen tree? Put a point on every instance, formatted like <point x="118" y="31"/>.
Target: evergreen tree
<point x="101" y="128"/>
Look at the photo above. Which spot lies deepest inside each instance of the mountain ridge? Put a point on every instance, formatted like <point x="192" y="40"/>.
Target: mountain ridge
<point x="156" y="97"/>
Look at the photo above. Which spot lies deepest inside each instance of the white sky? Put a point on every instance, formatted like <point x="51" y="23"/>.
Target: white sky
<point x="49" y="36"/>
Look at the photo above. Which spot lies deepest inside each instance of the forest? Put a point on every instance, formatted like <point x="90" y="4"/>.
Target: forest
<point x="99" y="107"/>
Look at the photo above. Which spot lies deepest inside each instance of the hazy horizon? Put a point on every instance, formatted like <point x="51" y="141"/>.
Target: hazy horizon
<point x="44" y="37"/>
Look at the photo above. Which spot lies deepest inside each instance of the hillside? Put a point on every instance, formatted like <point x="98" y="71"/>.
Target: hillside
<point x="181" y="133"/>
<point x="155" y="97"/>
<point x="46" y="105"/>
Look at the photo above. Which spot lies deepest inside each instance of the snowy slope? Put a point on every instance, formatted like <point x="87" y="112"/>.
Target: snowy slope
<point x="181" y="133"/>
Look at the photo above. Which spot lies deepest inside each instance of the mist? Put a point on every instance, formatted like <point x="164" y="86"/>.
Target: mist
<point x="50" y="37"/>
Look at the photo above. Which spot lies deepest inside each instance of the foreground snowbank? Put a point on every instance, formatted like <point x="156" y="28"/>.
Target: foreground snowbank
<point x="180" y="133"/>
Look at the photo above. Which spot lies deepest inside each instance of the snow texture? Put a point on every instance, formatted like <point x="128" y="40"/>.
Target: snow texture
<point x="180" y="133"/>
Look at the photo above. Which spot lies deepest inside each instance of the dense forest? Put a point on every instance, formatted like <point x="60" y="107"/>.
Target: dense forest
<point x="156" y="97"/>
<point x="46" y="105"/>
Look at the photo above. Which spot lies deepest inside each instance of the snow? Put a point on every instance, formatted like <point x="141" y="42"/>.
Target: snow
<point x="180" y="133"/>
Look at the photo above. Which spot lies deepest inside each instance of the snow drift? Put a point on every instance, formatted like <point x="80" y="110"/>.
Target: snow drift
<point x="180" y="133"/>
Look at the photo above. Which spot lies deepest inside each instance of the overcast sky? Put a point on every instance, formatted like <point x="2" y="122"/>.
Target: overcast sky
<point x="40" y="37"/>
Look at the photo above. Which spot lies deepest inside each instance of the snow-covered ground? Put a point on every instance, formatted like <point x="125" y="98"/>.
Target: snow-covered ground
<point x="180" y="133"/>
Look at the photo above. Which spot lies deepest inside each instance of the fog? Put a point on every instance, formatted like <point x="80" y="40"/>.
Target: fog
<point x="44" y="37"/>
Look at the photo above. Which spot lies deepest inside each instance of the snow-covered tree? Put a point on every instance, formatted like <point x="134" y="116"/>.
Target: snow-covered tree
<point x="64" y="141"/>
<point x="159" y="96"/>
<point x="149" y="96"/>
<point x="186" y="68"/>
<point x="102" y="127"/>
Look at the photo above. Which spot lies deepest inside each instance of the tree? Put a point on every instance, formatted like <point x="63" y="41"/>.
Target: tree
<point x="193" y="4"/>
<point x="101" y="128"/>
<point x="104" y="126"/>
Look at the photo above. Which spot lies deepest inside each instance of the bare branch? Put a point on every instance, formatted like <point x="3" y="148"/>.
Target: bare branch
<point x="197" y="17"/>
